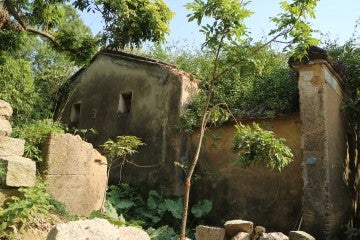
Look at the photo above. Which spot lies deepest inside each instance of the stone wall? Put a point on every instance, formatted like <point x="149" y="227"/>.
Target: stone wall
<point x="76" y="173"/>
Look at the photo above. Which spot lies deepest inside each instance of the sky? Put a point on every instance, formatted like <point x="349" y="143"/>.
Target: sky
<point x="333" y="17"/>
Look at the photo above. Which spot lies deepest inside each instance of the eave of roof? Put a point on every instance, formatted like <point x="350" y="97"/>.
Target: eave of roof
<point x="137" y="58"/>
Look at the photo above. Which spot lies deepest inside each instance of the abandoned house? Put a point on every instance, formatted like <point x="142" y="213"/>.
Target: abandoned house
<point x="124" y="94"/>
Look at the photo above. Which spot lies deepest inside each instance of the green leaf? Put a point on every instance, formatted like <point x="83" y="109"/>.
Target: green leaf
<point x="201" y="208"/>
<point x="154" y="199"/>
<point x="174" y="206"/>
<point x="124" y="204"/>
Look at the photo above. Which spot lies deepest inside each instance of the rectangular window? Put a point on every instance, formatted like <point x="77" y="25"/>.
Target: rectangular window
<point x="125" y="102"/>
<point x="75" y="113"/>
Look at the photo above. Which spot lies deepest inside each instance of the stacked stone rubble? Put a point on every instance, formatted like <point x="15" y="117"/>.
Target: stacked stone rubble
<point x="244" y="230"/>
<point x="19" y="171"/>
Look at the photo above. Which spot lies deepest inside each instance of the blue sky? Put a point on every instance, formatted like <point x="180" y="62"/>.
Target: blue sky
<point x="333" y="17"/>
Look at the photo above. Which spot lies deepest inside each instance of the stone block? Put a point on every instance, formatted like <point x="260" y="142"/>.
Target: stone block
<point x="300" y="235"/>
<point x="274" y="236"/>
<point x="209" y="233"/>
<point x="5" y="110"/>
<point x="260" y="229"/>
<point x="67" y="154"/>
<point x="242" y="236"/>
<point x="5" y="127"/>
<point x="235" y="226"/>
<point x="11" y="146"/>
<point x="20" y="171"/>
<point x="76" y="174"/>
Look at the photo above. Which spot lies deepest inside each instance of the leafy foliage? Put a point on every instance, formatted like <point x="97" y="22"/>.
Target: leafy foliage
<point x="123" y="146"/>
<point x="259" y="147"/>
<point x="73" y="34"/>
<point x="263" y="85"/>
<point x="130" y="22"/>
<point x="228" y="20"/>
<point x="293" y="24"/>
<point x="21" y="212"/>
<point x="17" y="86"/>
<point x="120" y="149"/>
<point x="31" y="77"/>
<point x="127" y="23"/>
<point x="35" y="133"/>
<point x="53" y="21"/>
<point x="124" y="205"/>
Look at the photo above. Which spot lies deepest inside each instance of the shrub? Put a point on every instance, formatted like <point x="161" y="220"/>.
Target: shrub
<point x="35" y="133"/>
<point x="21" y="212"/>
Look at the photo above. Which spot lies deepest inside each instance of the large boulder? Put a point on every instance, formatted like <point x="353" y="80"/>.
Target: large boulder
<point x="76" y="173"/>
<point x="5" y="110"/>
<point x="132" y="233"/>
<point x="11" y="146"/>
<point x="95" y="229"/>
<point x="20" y="171"/>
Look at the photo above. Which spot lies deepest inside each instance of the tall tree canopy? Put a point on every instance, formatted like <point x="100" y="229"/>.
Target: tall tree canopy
<point x="127" y="23"/>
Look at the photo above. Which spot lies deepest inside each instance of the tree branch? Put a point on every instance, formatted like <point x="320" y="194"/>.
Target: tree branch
<point x="16" y="14"/>
<point x="43" y="34"/>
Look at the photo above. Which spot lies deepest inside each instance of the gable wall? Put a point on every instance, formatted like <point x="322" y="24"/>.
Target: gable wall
<point x="155" y="107"/>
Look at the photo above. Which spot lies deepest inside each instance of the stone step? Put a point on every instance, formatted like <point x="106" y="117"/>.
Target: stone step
<point x="11" y="146"/>
<point x="5" y="127"/>
<point x="20" y="171"/>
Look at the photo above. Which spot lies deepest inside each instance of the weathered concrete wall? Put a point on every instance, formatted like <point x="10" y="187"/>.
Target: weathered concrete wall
<point x="326" y="203"/>
<point x="158" y="93"/>
<point x="260" y="195"/>
<point x="76" y="174"/>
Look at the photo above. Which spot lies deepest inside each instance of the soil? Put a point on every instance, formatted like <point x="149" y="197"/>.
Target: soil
<point x="39" y="229"/>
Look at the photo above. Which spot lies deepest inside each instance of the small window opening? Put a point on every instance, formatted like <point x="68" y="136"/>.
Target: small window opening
<point x="125" y="102"/>
<point x="75" y="113"/>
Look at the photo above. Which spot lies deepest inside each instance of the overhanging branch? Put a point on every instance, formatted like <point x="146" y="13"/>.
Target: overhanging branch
<point x="15" y="13"/>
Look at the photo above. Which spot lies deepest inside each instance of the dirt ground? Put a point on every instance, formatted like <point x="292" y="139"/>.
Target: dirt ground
<point x="38" y="230"/>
